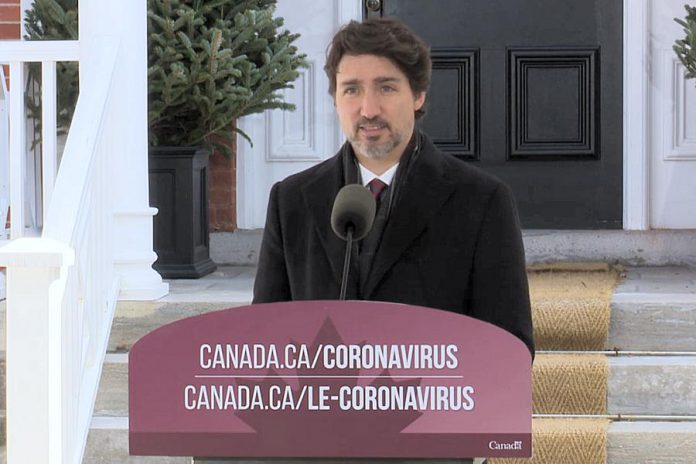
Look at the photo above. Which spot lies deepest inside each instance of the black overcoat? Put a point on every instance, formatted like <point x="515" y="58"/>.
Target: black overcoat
<point x="452" y="242"/>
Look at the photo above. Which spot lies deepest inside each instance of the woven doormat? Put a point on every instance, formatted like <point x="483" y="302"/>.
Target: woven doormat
<point x="566" y="441"/>
<point x="570" y="384"/>
<point x="571" y="305"/>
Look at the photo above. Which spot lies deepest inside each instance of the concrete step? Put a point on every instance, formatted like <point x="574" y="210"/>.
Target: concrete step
<point x="642" y="442"/>
<point x="650" y="303"/>
<point x="630" y="248"/>
<point x="107" y="443"/>
<point x="653" y="308"/>
<point x="652" y="443"/>
<point x="661" y="385"/>
<point x="225" y="288"/>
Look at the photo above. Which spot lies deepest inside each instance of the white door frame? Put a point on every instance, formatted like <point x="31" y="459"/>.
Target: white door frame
<point x="636" y="75"/>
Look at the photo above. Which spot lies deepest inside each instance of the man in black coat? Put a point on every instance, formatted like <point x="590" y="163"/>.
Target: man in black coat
<point x="446" y="234"/>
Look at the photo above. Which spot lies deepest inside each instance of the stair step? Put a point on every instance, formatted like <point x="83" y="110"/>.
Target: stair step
<point x="107" y="443"/>
<point x="630" y="248"/>
<point x="664" y="385"/>
<point x="652" y="443"/>
<point x="654" y="309"/>
<point x="628" y="443"/>
<point x="225" y="288"/>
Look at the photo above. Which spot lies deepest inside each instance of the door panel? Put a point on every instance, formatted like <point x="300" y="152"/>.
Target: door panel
<point x="531" y="91"/>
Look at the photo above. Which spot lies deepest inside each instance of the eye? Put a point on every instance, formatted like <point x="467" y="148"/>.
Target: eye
<point x="350" y="91"/>
<point x="387" y="89"/>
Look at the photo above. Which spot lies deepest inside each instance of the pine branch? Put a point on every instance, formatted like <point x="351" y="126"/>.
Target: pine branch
<point x="209" y="62"/>
<point x="684" y="48"/>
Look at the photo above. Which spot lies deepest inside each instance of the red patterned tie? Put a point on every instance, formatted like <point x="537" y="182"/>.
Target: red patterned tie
<point x="376" y="186"/>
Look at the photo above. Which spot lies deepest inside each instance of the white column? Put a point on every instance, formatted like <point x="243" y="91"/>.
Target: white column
<point x="17" y="150"/>
<point x="34" y="354"/>
<point x="133" y="217"/>
<point x="636" y="190"/>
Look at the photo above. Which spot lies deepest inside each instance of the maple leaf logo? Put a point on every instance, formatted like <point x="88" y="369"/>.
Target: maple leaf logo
<point x="293" y="426"/>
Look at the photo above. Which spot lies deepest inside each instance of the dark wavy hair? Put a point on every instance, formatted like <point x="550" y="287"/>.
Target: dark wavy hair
<point x="386" y="38"/>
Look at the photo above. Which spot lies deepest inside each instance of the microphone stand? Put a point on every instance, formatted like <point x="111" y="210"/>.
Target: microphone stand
<point x="346" y="261"/>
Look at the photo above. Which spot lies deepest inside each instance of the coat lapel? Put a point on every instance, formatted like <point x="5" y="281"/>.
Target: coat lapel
<point x="319" y="196"/>
<point x="421" y="195"/>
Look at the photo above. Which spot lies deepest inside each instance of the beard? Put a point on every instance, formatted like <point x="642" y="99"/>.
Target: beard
<point x="371" y="147"/>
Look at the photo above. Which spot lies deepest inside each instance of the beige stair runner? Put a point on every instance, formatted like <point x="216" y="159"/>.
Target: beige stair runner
<point x="571" y="306"/>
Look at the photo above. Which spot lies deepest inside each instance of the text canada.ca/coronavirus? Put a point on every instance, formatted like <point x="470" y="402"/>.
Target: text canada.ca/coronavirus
<point x="324" y="398"/>
<point x="327" y="356"/>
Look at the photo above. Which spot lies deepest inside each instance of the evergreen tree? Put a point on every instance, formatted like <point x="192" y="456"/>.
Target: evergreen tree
<point x="212" y="61"/>
<point x="209" y="63"/>
<point x="54" y="20"/>
<point x="684" y="48"/>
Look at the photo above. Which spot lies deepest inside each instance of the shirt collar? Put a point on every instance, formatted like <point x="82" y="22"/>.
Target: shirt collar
<point x="367" y="176"/>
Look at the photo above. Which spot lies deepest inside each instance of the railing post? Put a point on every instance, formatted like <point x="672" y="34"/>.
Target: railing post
<point x="4" y="161"/>
<point x="36" y="269"/>
<point x="48" y="132"/>
<point x="17" y="149"/>
<point x="133" y="247"/>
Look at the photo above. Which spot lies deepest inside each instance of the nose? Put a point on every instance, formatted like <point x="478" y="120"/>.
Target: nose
<point x="370" y="106"/>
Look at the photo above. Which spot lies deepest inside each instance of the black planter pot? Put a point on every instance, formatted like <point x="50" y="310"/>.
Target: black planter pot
<point x="179" y="190"/>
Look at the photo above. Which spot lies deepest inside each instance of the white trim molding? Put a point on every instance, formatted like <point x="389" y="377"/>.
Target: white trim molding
<point x="349" y="10"/>
<point x="24" y="6"/>
<point x="636" y="73"/>
<point x="679" y="142"/>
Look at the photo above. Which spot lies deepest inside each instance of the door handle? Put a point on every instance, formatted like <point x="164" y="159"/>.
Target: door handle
<point x="373" y="5"/>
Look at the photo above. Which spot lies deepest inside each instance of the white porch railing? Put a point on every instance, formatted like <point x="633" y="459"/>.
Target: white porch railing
<point x="61" y="287"/>
<point x="4" y="169"/>
<point x="4" y="156"/>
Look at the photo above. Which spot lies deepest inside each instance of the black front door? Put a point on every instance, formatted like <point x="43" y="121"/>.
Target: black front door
<point x="531" y="91"/>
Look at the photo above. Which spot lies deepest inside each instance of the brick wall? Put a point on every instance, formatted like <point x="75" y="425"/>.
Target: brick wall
<point x="9" y="26"/>
<point x="222" y="196"/>
<point x="9" y="30"/>
<point x="9" y="19"/>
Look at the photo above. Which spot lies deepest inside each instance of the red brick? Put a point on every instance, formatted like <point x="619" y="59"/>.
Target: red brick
<point x="10" y="13"/>
<point x="222" y="202"/>
<point x="222" y="192"/>
<point x="9" y="31"/>
<point x="221" y="178"/>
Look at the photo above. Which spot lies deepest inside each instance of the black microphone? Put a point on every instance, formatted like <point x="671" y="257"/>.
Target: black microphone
<point x="354" y="207"/>
<point x="351" y="219"/>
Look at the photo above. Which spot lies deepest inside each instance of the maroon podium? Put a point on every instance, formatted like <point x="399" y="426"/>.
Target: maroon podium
<point x="330" y="379"/>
